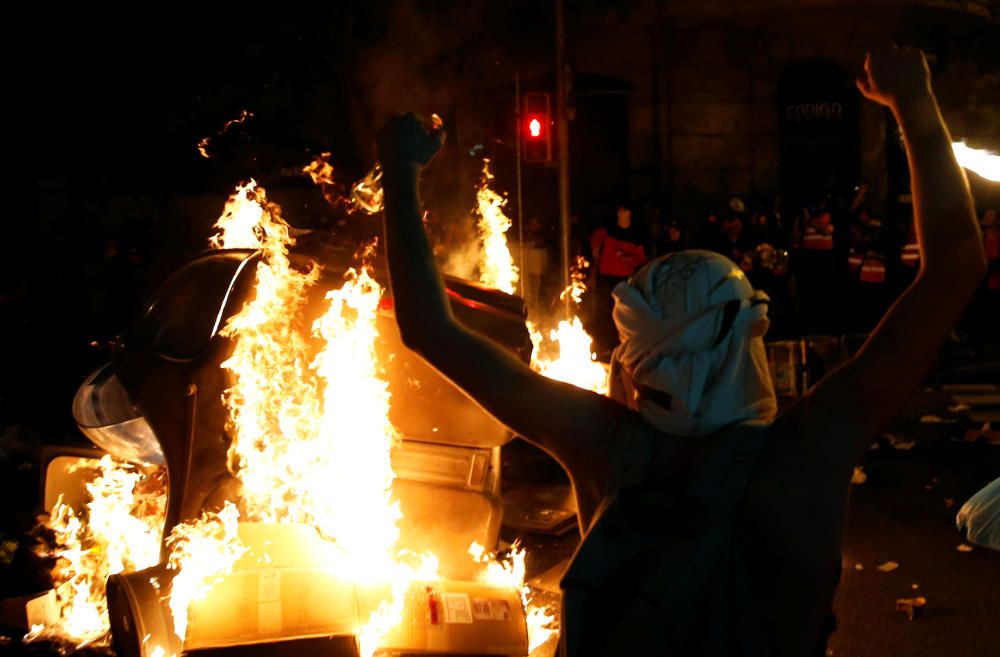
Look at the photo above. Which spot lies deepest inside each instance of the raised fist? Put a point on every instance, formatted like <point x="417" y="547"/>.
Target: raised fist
<point x="895" y="76"/>
<point x="407" y="139"/>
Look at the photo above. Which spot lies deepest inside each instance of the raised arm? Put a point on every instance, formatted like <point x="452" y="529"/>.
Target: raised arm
<point x="567" y="422"/>
<point x="859" y="399"/>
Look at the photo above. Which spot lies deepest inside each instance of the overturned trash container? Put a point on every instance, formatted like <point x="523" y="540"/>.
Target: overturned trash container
<point x="159" y="403"/>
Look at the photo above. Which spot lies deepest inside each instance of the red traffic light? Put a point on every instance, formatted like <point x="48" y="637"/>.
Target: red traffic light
<point x="536" y="142"/>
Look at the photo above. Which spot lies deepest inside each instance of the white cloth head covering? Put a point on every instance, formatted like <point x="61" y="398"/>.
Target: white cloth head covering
<point x="671" y="318"/>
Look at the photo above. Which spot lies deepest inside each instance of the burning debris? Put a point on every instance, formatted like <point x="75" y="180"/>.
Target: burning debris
<point x="310" y="444"/>
<point x="206" y="141"/>
<point x="912" y="607"/>
<point x="118" y="531"/>
<point x="366" y="194"/>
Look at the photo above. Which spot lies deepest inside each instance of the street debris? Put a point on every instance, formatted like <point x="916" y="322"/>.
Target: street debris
<point x="912" y="607"/>
<point x="896" y="441"/>
<point x="934" y="419"/>
<point x="859" y="476"/>
<point x="964" y="548"/>
<point x="888" y="566"/>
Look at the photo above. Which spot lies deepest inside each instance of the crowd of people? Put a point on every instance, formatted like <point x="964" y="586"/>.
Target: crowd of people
<point x="829" y="266"/>
<point x="748" y="501"/>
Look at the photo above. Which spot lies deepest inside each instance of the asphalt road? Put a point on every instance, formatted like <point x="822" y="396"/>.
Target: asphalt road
<point x="917" y="479"/>
<point x="904" y="513"/>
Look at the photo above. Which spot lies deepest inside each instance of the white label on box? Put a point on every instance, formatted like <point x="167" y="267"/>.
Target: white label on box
<point x="457" y="608"/>
<point x="492" y="610"/>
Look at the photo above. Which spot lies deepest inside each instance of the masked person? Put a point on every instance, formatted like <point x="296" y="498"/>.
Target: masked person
<point x="696" y="414"/>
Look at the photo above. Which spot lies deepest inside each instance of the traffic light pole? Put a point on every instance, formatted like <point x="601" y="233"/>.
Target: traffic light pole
<point x="562" y="149"/>
<point x="520" y="213"/>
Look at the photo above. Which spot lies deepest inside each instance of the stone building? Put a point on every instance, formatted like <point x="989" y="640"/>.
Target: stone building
<point x="756" y="97"/>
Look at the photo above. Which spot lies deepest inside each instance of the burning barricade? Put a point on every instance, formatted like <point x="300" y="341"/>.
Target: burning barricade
<point x="280" y="468"/>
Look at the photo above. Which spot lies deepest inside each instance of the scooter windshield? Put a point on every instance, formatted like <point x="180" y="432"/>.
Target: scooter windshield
<point x="106" y="415"/>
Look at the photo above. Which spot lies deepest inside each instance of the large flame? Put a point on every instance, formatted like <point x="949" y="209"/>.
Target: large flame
<point x="497" y="267"/>
<point x="311" y="438"/>
<point x="982" y="162"/>
<point x="310" y="442"/>
<point x="118" y="531"/>
<point x="201" y="551"/>
<point x="565" y="352"/>
<point x="274" y="407"/>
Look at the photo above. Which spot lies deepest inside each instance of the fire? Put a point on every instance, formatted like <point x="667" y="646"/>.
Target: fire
<point x="204" y="143"/>
<point x="497" y="267"/>
<point x="199" y="551"/>
<point x="274" y="408"/>
<point x="118" y="531"/>
<point x="565" y="353"/>
<point x="981" y="162"/>
<point x="509" y="573"/>
<point x="354" y="477"/>
<point x="310" y="443"/>
<point x="321" y="172"/>
<point x="311" y="437"/>
<point x="367" y="193"/>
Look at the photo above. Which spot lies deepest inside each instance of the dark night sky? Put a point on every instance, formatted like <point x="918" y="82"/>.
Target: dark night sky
<point x="121" y="98"/>
<point x="109" y="104"/>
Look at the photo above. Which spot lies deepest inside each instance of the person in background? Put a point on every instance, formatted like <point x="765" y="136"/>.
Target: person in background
<point x="694" y="358"/>
<point x="760" y="230"/>
<point x="709" y="234"/>
<point x="817" y="269"/>
<point x="781" y="222"/>
<point x="535" y="265"/>
<point x="735" y="246"/>
<point x="672" y="239"/>
<point x="618" y="251"/>
<point x="866" y="272"/>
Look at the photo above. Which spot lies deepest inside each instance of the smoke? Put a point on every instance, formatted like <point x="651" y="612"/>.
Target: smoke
<point x="413" y="67"/>
<point x="461" y="259"/>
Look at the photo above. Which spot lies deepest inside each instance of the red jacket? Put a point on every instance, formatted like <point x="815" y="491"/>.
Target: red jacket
<point x="615" y="257"/>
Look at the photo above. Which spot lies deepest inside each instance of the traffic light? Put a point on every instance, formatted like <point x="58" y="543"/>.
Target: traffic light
<point x="536" y="128"/>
